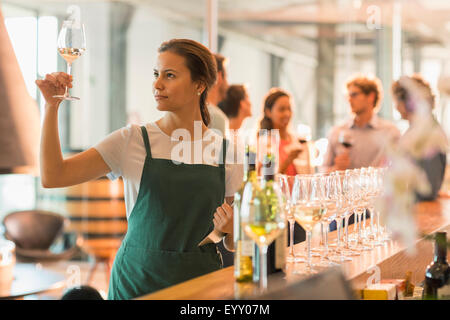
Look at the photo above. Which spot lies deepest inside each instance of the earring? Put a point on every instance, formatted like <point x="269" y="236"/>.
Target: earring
<point x="199" y="93"/>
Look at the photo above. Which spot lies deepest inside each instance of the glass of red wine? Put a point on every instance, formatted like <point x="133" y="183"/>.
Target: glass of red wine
<point x="345" y="138"/>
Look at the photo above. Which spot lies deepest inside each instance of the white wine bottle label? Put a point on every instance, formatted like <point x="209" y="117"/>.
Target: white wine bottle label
<point x="247" y="248"/>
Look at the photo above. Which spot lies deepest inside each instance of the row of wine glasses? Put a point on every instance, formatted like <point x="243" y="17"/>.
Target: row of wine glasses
<point x="324" y="198"/>
<point x="309" y="199"/>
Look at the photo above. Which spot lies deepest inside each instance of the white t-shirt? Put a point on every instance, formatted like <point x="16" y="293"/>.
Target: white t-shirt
<point x="124" y="152"/>
<point x="219" y="119"/>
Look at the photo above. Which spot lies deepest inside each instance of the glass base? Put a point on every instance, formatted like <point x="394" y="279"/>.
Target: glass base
<point x="70" y="98"/>
<point x="305" y="271"/>
<point x="339" y="257"/>
<point x="351" y="251"/>
<point x="327" y="263"/>
<point x="295" y="259"/>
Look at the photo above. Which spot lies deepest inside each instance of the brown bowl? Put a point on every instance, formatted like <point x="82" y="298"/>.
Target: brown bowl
<point x="33" y="229"/>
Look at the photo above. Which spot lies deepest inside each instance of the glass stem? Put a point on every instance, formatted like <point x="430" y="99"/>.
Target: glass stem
<point x="346" y="230"/>
<point x="291" y="237"/>
<point x="364" y="224"/>
<point x="327" y="225"/>
<point x="338" y="227"/>
<point x="371" y="222"/>
<point x="378" y="226"/>
<point x="69" y="70"/>
<point x="308" y="242"/>
<point x="358" y="213"/>
<point x="263" y="267"/>
<point x="321" y="234"/>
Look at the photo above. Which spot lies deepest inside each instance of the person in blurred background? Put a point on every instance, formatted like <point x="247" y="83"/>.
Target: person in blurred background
<point x="236" y="105"/>
<point x="277" y="114"/>
<point x="172" y="204"/>
<point x="218" y="119"/>
<point x="361" y="141"/>
<point x="415" y="101"/>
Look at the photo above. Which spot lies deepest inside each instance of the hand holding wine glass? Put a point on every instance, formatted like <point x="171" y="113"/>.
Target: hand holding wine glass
<point x="52" y="85"/>
<point x="342" y="159"/>
<point x="345" y="138"/>
<point x="71" y="45"/>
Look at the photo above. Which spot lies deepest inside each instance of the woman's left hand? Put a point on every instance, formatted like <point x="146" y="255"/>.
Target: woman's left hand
<point x="223" y="218"/>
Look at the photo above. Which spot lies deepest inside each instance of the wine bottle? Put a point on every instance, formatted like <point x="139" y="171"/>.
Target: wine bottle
<point x="437" y="285"/>
<point x="243" y="244"/>
<point x="276" y="253"/>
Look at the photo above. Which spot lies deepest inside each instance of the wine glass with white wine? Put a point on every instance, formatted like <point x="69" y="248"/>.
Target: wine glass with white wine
<point x="263" y="217"/>
<point x="71" y="45"/>
<point x="308" y="199"/>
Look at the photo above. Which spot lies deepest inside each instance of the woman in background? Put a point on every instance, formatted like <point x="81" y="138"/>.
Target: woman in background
<point x="236" y="106"/>
<point x="415" y="101"/>
<point x="277" y="116"/>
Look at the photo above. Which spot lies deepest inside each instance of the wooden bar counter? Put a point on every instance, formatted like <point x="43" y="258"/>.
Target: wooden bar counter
<point x="392" y="259"/>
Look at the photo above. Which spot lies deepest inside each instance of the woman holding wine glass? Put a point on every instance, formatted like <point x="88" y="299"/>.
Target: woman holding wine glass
<point x="172" y="203"/>
<point x="277" y="115"/>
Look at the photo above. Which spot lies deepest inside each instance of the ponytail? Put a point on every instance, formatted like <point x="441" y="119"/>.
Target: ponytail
<point x="204" y="108"/>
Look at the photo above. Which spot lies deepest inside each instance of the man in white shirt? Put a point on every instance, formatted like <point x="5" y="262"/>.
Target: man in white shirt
<point x="219" y="120"/>
<point x="362" y="140"/>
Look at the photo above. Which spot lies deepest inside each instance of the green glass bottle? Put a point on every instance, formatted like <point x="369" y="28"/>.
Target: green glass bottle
<point x="437" y="274"/>
<point x="270" y="205"/>
<point x="243" y="244"/>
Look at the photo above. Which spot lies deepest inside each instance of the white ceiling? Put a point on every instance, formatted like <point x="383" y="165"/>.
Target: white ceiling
<point x="423" y="20"/>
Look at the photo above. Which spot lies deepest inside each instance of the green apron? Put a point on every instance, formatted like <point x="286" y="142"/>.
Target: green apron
<point x="173" y="213"/>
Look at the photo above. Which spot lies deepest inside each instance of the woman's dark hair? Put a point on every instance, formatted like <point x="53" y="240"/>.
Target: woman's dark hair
<point x="230" y="105"/>
<point x="201" y="64"/>
<point x="82" y="293"/>
<point x="273" y="95"/>
<point x="220" y="61"/>
<point x="402" y="91"/>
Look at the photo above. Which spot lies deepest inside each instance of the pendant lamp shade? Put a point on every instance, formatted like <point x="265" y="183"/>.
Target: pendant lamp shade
<point x="19" y="114"/>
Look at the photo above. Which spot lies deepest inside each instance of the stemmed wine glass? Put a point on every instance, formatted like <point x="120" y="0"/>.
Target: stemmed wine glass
<point x="285" y="184"/>
<point x="345" y="138"/>
<point x="342" y="212"/>
<point x="332" y="204"/>
<point x="308" y="200"/>
<point x="374" y="189"/>
<point x="359" y="177"/>
<point x="263" y="219"/>
<point x="350" y="194"/>
<point x="382" y="232"/>
<point x="71" y="45"/>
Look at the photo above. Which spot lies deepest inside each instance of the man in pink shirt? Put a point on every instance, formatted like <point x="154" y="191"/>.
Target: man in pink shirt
<point x="362" y="140"/>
